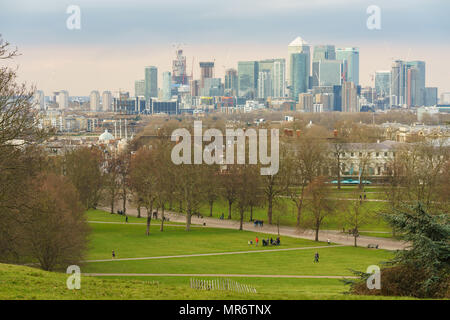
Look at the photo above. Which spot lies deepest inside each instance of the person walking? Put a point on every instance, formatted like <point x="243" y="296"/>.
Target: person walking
<point x="126" y="219"/>
<point x="113" y="254"/>
<point x="316" y="257"/>
<point x="328" y="241"/>
<point x="256" y="241"/>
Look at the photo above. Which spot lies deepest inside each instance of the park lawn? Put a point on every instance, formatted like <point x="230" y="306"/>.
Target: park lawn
<point x="333" y="222"/>
<point x="26" y="283"/>
<point x="130" y="241"/>
<point x="334" y="261"/>
<point x="104" y="216"/>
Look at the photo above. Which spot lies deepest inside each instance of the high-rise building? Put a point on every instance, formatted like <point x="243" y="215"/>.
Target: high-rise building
<point x="195" y="87"/>
<point x="151" y="82"/>
<point x="329" y="72"/>
<point x="321" y="52"/>
<point x="349" y="97"/>
<point x="231" y="82"/>
<point x="94" y="100"/>
<point x="167" y="86"/>
<point x="431" y="96"/>
<point x="63" y="99"/>
<point x="383" y="83"/>
<point x="298" y="45"/>
<point x="305" y="102"/>
<point x="247" y="78"/>
<point x="351" y="58"/>
<point x="445" y="98"/>
<point x="179" y="75"/>
<point x="279" y="78"/>
<point x="416" y="93"/>
<point x="407" y="83"/>
<point x="298" y="79"/>
<point x="206" y="71"/>
<point x="264" y="84"/>
<point x="106" y="101"/>
<point x="139" y="88"/>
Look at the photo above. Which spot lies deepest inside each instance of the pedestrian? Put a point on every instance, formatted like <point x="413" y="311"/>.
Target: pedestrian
<point x="328" y="241"/>
<point x="126" y="219"/>
<point x="113" y="254"/>
<point x="316" y="257"/>
<point x="256" y="241"/>
<point x="365" y="197"/>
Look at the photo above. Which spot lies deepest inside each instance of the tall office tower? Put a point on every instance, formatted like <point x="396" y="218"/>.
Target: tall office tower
<point x="321" y="52"/>
<point x="195" y="87"/>
<point x="298" y="81"/>
<point x="383" y="83"/>
<point x="106" y="101"/>
<point x="39" y="100"/>
<point x="167" y="86"/>
<point x="206" y="71"/>
<point x="349" y="97"/>
<point x="231" y="82"/>
<point x="212" y="87"/>
<point x="337" y="94"/>
<point x="300" y="46"/>
<point x="279" y="78"/>
<point x="431" y="96"/>
<point x="351" y="57"/>
<point x="151" y="82"/>
<point x="264" y="84"/>
<point x="397" y="83"/>
<point x="329" y="72"/>
<point x="63" y="99"/>
<point x="139" y="88"/>
<point x="247" y="78"/>
<point x="305" y="102"/>
<point x="369" y="94"/>
<point x="179" y="75"/>
<point x="416" y="95"/>
<point x="94" y="100"/>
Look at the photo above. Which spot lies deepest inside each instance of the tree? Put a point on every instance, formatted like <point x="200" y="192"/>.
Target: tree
<point x="213" y="191"/>
<point x="53" y="228"/>
<point x="143" y="181"/>
<point x="83" y="167"/>
<point x="319" y="203"/>
<point x="356" y="215"/>
<point x="246" y="179"/>
<point x="111" y="181"/>
<point x="229" y="186"/>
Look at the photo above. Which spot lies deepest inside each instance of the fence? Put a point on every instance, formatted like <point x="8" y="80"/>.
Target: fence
<point x="221" y="284"/>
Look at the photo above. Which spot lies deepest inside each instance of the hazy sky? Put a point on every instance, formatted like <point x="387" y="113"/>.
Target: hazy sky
<point x="118" y="38"/>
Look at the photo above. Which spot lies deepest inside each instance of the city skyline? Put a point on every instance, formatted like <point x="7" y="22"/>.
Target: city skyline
<point x="105" y="56"/>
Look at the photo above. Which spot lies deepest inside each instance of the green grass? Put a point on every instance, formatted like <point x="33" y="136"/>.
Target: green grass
<point x="130" y="241"/>
<point x="19" y="282"/>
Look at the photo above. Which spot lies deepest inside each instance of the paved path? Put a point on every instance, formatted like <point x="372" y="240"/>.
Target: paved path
<point x="334" y="236"/>
<point x="212" y="254"/>
<point x="214" y="275"/>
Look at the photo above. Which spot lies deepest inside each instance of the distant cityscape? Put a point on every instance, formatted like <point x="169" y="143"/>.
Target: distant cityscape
<point x="319" y="78"/>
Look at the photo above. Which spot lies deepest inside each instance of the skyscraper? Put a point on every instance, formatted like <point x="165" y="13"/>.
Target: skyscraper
<point x="321" y="52"/>
<point x="179" y="75"/>
<point x="151" y="82"/>
<point x="408" y="83"/>
<point x="139" y="88"/>
<point x="351" y="57"/>
<point x="349" y="97"/>
<point x="329" y="72"/>
<point x="167" y="86"/>
<point x="298" y="45"/>
<point x="39" y="100"/>
<point x="231" y="82"/>
<point x="264" y="84"/>
<point x="383" y="83"/>
<point x="279" y="78"/>
<point x="106" y="101"/>
<point x="206" y="71"/>
<point x="94" y="100"/>
<point x="247" y="78"/>
<point x="298" y="79"/>
<point x="63" y="99"/>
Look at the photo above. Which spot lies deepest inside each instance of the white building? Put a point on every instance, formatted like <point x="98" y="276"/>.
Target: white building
<point x="106" y="101"/>
<point x="63" y="99"/>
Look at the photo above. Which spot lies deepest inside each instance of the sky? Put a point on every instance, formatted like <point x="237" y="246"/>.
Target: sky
<point x="117" y="39"/>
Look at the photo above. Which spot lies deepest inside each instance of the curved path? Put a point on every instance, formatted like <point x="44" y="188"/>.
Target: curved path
<point x="324" y="235"/>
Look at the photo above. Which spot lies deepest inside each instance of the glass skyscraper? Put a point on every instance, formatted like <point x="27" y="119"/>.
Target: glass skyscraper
<point x="247" y="78"/>
<point x="351" y="57"/>
<point x="383" y="83"/>
<point x="151" y="82"/>
<point x="298" y="74"/>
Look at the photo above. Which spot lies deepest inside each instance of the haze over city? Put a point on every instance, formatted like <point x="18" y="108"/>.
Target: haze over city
<point x="117" y="40"/>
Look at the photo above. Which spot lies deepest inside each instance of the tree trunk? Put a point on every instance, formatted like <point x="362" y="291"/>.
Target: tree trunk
<point x="251" y="213"/>
<point x="355" y="244"/>
<point x="299" y="213"/>
<point x="188" y="219"/>
<point x="149" y="219"/>
<point x="269" y="211"/>
<point x="124" y="203"/>
<point x="229" y="209"/>
<point x="162" y="219"/>
<point x="241" y="219"/>
<point x="339" y="173"/>
<point x="211" y="203"/>
<point x="316" y="238"/>
<point x="139" y="211"/>
<point x="180" y="210"/>
<point x="112" y="205"/>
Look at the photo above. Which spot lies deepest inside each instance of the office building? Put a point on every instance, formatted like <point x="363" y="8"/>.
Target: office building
<point x="298" y="80"/>
<point x="106" y="101"/>
<point x="329" y="72"/>
<point x="206" y="71"/>
<point x="305" y="102"/>
<point x="430" y="97"/>
<point x="264" y="84"/>
<point x="247" y="78"/>
<point x="350" y="58"/>
<point x="139" y="88"/>
<point x="63" y="99"/>
<point x="167" y="86"/>
<point x="349" y="97"/>
<point x="179" y="75"/>
<point x="151" y="82"/>
<point x="231" y="82"/>
<point x="39" y="100"/>
<point x="383" y="83"/>
<point x="298" y="45"/>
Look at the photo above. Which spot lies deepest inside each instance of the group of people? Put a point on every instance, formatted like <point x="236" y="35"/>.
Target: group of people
<point x="265" y="242"/>
<point x="258" y="223"/>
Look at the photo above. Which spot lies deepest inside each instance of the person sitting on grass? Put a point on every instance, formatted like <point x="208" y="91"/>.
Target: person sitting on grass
<point x="250" y="242"/>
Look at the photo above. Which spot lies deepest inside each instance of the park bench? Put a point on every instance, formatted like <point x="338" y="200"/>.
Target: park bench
<point x="372" y="245"/>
